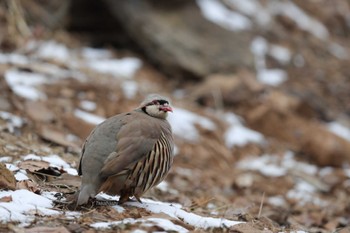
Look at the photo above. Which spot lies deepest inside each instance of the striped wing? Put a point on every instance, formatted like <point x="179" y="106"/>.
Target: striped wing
<point x="153" y="169"/>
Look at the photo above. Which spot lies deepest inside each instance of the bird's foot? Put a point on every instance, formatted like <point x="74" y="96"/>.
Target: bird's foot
<point x="105" y="202"/>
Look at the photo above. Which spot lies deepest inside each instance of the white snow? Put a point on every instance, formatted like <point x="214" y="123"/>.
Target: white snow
<point x="248" y="7"/>
<point x="54" y="50"/>
<point x="124" y="67"/>
<point x="275" y="166"/>
<point x="5" y="159"/>
<point x="260" y="48"/>
<point x="11" y="167"/>
<point x="183" y="124"/>
<point x="277" y="201"/>
<point x="88" y="105"/>
<point x="272" y="77"/>
<point x="239" y="135"/>
<point x="12" y="121"/>
<point x="21" y="176"/>
<point x="54" y="161"/>
<point x="130" y="88"/>
<point x="96" y="54"/>
<point x="216" y="12"/>
<point x="254" y="9"/>
<point x="89" y="117"/>
<point x="24" y="206"/>
<point x="24" y="84"/>
<point x="280" y="53"/>
<point x="165" y="224"/>
<point x="339" y="130"/>
<point x="338" y="51"/>
<point x="302" y="19"/>
<point x="175" y="211"/>
<point x="305" y="193"/>
<point x="13" y="58"/>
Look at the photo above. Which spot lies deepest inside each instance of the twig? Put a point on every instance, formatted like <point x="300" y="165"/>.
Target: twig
<point x="261" y="204"/>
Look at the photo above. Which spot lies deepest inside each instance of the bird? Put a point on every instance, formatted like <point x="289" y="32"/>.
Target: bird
<point x="128" y="153"/>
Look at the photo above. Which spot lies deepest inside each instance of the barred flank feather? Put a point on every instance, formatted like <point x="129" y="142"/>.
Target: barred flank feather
<point x="153" y="169"/>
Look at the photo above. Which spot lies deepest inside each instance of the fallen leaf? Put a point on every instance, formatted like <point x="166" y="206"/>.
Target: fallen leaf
<point x="7" y="179"/>
<point x="33" y="165"/>
<point x="29" y="185"/>
<point x="66" y="180"/>
<point x="38" y="111"/>
<point x="6" y="199"/>
<point x="46" y="230"/>
<point x="57" y="136"/>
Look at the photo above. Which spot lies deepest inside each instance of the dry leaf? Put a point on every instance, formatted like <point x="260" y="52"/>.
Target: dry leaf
<point x="6" y="199"/>
<point x="66" y="180"/>
<point x="41" y="167"/>
<point x="38" y="111"/>
<point x="29" y="185"/>
<point x="57" y="136"/>
<point x="7" y="179"/>
<point x="46" y="230"/>
<point x="33" y="165"/>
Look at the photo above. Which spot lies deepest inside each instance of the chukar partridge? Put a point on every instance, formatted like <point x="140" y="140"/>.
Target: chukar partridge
<point x="129" y="153"/>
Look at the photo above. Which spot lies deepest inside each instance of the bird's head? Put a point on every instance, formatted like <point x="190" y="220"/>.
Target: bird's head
<point x="156" y="106"/>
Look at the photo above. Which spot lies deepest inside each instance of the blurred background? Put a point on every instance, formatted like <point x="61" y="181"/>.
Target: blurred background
<point x="261" y="90"/>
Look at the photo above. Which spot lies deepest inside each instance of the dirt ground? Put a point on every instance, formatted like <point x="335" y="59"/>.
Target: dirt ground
<point x="309" y="192"/>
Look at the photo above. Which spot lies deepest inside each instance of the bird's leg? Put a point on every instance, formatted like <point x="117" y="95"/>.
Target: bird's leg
<point x="138" y="199"/>
<point x="123" y="198"/>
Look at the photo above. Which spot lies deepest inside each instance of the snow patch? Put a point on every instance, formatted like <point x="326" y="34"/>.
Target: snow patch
<point x="305" y="193"/>
<point x="130" y="88"/>
<point x="53" y="50"/>
<point x="88" y="105"/>
<point x="183" y="124"/>
<point x="219" y="14"/>
<point x="338" y="51"/>
<point x="302" y="19"/>
<point x="280" y="53"/>
<point x="260" y="48"/>
<point x="95" y="54"/>
<point x="339" y="130"/>
<point x="174" y="210"/>
<point x="13" y="58"/>
<point x="25" y="84"/>
<point x="89" y="117"/>
<point x="272" y="77"/>
<point x="24" y="206"/>
<point x="165" y="224"/>
<point x="12" y="121"/>
<point x="54" y="161"/>
<point x="125" y="67"/>
<point x="239" y="135"/>
<point x="275" y="166"/>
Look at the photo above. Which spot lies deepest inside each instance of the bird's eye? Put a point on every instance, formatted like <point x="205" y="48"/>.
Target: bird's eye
<point x="156" y="102"/>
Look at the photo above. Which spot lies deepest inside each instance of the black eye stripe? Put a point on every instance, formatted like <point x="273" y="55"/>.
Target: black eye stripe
<point x="161" y="102"/>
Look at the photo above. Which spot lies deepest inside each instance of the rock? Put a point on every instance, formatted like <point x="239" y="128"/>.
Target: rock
<point x="321" y="146"/>
<point x="176" y="37"/>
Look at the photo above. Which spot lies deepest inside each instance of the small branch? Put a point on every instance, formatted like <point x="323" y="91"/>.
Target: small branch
<point x="261" y="205"/>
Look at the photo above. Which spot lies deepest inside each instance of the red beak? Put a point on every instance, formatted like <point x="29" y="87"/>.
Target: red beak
<point x="166" y="109"/>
